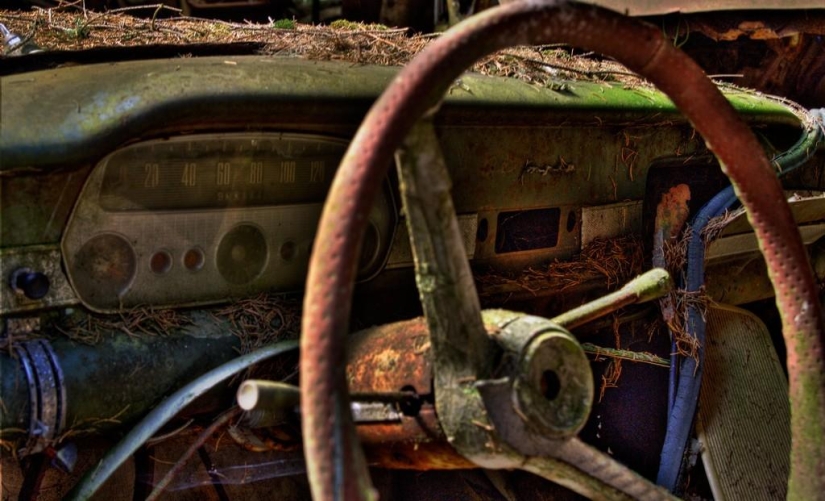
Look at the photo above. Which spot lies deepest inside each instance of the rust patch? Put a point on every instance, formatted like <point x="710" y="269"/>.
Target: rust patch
<point x="672" y="212"/>
<point x="731" y="26"/>
<point x="778" y="53"/>
<point x="671" y="216"/>
<point x="431" y="456"/>
<point x="391" y="357"/>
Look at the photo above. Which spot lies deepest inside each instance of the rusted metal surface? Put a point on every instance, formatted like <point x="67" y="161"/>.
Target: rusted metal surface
<point x="416" y="456"/>
<point x="387" y="359"/>
<point x="794" y="68"/>
<point x="671" y="215"/>
<point x="731" y="26"/>
<point x="778" y="54"/>
<point x="390" y="358"/>
<point x="383" y="360"/>
<point x="658" y="7"/>
<point x="414" y="443"/>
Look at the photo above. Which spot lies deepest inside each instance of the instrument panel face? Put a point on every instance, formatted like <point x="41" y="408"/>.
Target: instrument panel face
<point x="220" y="172"/>
<point x="203" y="218"/>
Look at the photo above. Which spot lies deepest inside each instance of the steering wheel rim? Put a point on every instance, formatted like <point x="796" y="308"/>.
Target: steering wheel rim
<point x="331" y="446"/>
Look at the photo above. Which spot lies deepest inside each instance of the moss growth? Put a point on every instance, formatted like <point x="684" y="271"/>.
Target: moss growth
<point x="220" y="30"/>
<point x="80" y="31"/>
<point x="343" y="24"/>
<point x="284" y="24"/>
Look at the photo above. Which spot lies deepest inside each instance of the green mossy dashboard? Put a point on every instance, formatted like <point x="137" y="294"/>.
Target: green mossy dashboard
<point x="134" y="182"/>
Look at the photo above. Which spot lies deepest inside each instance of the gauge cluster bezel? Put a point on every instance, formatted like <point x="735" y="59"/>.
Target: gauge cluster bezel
<point x="122" y="256"/>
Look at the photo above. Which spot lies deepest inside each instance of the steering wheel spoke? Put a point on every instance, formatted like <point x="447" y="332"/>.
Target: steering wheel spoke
<point x="445" y="282"/>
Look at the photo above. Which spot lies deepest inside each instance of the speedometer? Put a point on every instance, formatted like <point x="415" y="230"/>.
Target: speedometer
<point x="220" y="171"/>
<point x="203" y="218"/>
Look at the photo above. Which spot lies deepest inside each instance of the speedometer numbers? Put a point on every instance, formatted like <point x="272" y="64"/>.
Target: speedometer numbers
<point x="232" y="172"/>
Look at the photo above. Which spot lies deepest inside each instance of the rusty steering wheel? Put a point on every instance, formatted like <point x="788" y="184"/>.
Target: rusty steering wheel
<point x="336" y="465"/>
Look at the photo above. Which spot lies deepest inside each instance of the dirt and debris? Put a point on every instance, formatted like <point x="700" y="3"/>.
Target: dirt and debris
<point x="676" y="258"/>
<point x="72" y="29"/>
<point x="617" y="260"/>
<point x="717" y="225"/>
<point x="613" y="372"/>
<point x="262" y="320"/>
<point x="90" y="329"/>
<point x="255" y="321"/>
<point x="90" y="426"/>
<point x="686" y="345"/>
<point x="600" y="352"/>
<point x="614" y="261"/>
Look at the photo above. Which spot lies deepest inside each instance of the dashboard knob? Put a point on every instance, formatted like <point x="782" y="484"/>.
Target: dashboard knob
<point x="30" y="283"/>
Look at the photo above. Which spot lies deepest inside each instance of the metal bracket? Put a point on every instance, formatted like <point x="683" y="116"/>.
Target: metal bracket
<point x="47" y="394"/>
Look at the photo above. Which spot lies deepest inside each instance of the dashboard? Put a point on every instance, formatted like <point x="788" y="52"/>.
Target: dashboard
<point x="194" y="181"/>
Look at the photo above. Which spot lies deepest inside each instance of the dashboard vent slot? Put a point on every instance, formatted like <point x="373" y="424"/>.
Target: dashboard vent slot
<point x="527" y="230"/>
